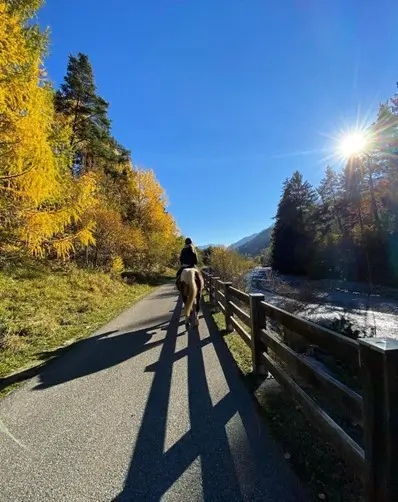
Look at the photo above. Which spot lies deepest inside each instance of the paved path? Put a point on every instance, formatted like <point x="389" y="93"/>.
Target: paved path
<point x="140" y="411"/>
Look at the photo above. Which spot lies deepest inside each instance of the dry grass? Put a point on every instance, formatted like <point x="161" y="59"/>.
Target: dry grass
<point x="42" y="308"/>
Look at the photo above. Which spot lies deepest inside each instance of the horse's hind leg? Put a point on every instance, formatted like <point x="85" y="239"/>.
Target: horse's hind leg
<point x="194" y="317"/>
<point x="188" y="320"/>
<point x="184" y="296"/>
<point x="198" y="298"/>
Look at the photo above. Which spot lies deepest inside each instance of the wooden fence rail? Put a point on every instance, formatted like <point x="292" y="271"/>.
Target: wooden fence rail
<point x="376" y="410"/>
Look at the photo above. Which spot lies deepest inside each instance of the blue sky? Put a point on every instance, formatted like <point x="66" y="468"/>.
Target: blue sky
<point x="225" y="99"/>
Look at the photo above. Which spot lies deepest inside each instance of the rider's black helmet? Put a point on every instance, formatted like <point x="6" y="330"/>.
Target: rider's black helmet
<point x="188" y="241"/>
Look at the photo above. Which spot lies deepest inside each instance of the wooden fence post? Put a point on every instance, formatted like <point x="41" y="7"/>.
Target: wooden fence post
<point x="257" y="324"/>
<point x="211" y="289"/>
<point x="379" y="371"/>
<point x="228" y="310"/>
<point x="216" y="288"/>
<point x="206" y="278"/>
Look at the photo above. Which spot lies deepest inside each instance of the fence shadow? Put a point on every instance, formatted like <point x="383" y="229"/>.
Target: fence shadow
<point x="153" y="471"/>
<point x="48" y="359"/>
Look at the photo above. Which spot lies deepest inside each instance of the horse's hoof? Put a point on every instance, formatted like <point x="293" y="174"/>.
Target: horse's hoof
<point x="196" y="323"/>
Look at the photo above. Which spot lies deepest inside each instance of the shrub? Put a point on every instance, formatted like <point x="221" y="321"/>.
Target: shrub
<point x="347" y="328"/>
<point x="230" y="265"/>
<point x="117" y="266"/>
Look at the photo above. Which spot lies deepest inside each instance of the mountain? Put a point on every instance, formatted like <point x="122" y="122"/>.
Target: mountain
<point x="257" y="243"/>
<point x="207" y="246"/>
<point x="237" y="245"/>
<point x="251" y="245"/>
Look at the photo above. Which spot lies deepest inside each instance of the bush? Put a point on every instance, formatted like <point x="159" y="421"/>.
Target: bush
<point x="230" y="265"/>
<point x="117" y="266"/>
<point x="346" y="327"/>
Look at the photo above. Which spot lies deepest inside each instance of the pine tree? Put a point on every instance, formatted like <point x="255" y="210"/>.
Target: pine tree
<point x="88" y="112"/>
<point x="294" y="231"/>
<point x="355" y="222"/>
<point x="328" y="191"/>
<point x="386" y="134"/>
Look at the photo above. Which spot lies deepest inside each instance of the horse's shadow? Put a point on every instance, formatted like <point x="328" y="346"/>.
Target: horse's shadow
<point x="99" y="352"/>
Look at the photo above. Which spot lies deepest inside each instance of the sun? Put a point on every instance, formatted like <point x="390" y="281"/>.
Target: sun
<point x="353" y="144"/>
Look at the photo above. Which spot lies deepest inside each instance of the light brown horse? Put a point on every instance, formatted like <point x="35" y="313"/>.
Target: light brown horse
<point x="191" y="289"/>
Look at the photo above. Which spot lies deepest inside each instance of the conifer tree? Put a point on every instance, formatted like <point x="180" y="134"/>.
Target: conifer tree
<point x="88" y="112"/>
<point x="294" y="231"/>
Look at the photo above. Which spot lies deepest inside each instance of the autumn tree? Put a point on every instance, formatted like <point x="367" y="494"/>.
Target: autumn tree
<point x="38" y="201"/>
<point x="132" y="221"/>
<point x="229" y="265"/>
<point x="156" y="223"/>
<point x="207" y="252"/>
<point x="68" y="188"/>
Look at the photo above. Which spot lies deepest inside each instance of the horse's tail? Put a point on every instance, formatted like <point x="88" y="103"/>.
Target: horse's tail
<point x="189" y="278"/>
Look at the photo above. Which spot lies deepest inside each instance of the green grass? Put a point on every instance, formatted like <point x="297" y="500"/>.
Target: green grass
<point x="321" y="471"/>
<point x="236" y="345"/>
<point x="43" y="308"/>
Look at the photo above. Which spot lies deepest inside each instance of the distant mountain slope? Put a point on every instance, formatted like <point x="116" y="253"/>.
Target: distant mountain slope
<point x="258" y="243"/>
<point x="207" y="246"/>
<point x="243" y="241"/>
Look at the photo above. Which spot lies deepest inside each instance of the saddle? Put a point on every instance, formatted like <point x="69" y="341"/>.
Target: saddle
<point x="178" y="280"/>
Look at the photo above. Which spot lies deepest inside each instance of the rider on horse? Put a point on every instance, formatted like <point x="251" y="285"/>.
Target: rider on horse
<point x="189" y="282"/>
<point x="188" y="259"/>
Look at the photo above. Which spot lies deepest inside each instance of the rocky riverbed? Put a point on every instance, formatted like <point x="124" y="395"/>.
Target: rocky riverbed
<point x="372" y="311"/>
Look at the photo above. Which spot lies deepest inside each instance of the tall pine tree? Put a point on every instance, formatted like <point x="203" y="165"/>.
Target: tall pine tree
<point x="294" y="231"/>
<point x="88" y="113"/>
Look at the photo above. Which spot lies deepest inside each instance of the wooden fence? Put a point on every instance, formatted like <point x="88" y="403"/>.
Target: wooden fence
<point x="375" y="409"/>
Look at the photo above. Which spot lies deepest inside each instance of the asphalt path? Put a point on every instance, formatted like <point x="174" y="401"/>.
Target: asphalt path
<point x="142" y="410"/>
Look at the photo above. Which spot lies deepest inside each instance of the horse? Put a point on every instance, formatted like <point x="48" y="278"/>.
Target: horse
<point x="191" y="286"/>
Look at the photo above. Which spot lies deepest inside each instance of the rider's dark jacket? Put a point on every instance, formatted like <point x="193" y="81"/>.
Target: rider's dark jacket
<point x="188" y="257"/>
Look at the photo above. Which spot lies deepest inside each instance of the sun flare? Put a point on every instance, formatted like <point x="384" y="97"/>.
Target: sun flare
<point x="353" y="144"/>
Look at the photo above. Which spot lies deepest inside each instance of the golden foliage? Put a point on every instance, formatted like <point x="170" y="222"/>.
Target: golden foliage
<point x="229" y="264"/>
<point x="39" y="199"/>
<point x="113" y="215"/>
<point x="117" y="266"/>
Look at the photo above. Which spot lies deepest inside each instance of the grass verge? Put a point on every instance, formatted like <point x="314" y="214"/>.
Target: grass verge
<point x="42" y="309"/>
<point x="322" y="472"/>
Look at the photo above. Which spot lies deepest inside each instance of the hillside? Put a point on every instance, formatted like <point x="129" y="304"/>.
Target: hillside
<point x="205" y="246"/>
<point x="241" y="242"/>
<point x="256" y="244"/>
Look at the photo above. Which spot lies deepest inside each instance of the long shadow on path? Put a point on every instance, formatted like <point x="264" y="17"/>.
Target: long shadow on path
<point x="99" y="352"/>
<point x="262" y="473"/>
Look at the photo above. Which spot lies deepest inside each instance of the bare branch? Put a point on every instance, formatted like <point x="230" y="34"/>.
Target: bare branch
<point x="12" y="176"/>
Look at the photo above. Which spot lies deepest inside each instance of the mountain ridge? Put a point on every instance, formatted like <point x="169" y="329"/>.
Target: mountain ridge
<point x="242" y="241"/>
<point x="257" y="243"/>
<point x="251" y="245"/>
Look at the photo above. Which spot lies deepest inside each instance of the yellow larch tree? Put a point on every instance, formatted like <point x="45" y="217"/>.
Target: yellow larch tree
<point x="156" y="223"/>
<point x="40" y="201"/>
